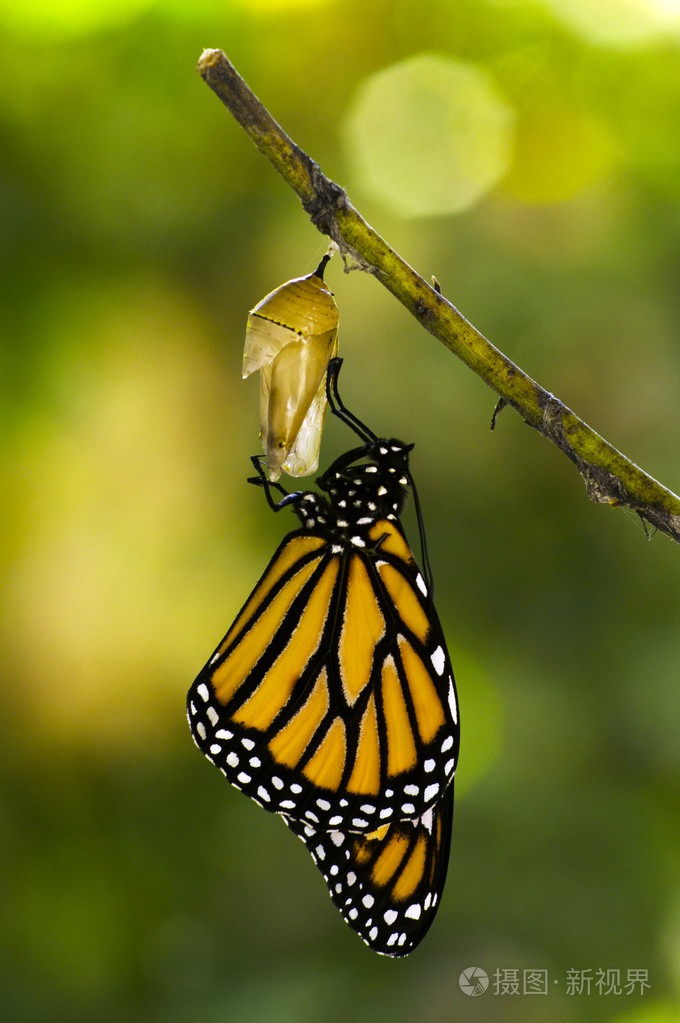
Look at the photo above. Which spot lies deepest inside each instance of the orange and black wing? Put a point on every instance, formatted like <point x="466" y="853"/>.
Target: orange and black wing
<point x="331" y="699"/>
<point x="387" y="884"/>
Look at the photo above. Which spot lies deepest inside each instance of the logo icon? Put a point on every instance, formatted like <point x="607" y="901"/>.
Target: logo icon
<point x="473" y="981"/>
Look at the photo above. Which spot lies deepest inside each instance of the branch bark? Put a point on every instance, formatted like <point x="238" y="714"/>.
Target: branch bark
<point x="609" y="477"/>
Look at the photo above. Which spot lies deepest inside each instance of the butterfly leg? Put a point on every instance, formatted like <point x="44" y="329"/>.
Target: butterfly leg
<point x="338" y="408"/>
<point x="261" y="481"/>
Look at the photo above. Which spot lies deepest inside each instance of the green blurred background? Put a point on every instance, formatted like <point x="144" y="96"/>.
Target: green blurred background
<point x="528" y="155"/>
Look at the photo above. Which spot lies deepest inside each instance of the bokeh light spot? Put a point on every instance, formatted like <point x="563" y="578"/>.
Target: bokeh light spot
<point x="429" y="136"/>
<point x="113" y="499"/>
<point x="70" y="17"/>
<point x="619" y="23"/>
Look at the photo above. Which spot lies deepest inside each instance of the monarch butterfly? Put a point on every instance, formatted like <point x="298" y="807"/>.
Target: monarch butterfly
<point x="291" y="336"/>
<point x="331" y="699"/>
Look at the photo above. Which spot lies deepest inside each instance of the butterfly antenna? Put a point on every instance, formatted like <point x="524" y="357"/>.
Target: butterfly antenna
<point x="338" y="408"/>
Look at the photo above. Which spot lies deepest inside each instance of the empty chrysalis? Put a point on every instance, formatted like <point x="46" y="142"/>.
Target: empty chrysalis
<point x="291" y="336"/>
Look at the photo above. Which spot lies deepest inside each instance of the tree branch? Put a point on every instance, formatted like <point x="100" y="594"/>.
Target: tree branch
<point x="610" y="477"/>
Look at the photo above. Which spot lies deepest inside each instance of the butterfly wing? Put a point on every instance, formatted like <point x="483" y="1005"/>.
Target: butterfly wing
<point x="331" y="698"/>
<point x="386" y="884"/>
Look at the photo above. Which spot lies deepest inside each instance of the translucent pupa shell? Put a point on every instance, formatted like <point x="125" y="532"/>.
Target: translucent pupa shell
<point x="290" y="337"/>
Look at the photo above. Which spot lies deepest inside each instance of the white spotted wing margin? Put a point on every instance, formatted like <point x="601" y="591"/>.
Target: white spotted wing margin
<point x="387" y="885"/>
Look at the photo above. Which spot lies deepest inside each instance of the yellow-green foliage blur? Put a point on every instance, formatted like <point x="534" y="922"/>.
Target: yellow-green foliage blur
<point x="527" y="153"/>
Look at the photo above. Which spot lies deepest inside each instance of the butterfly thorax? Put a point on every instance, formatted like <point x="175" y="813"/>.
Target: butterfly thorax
<point x="359" y="495"/>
